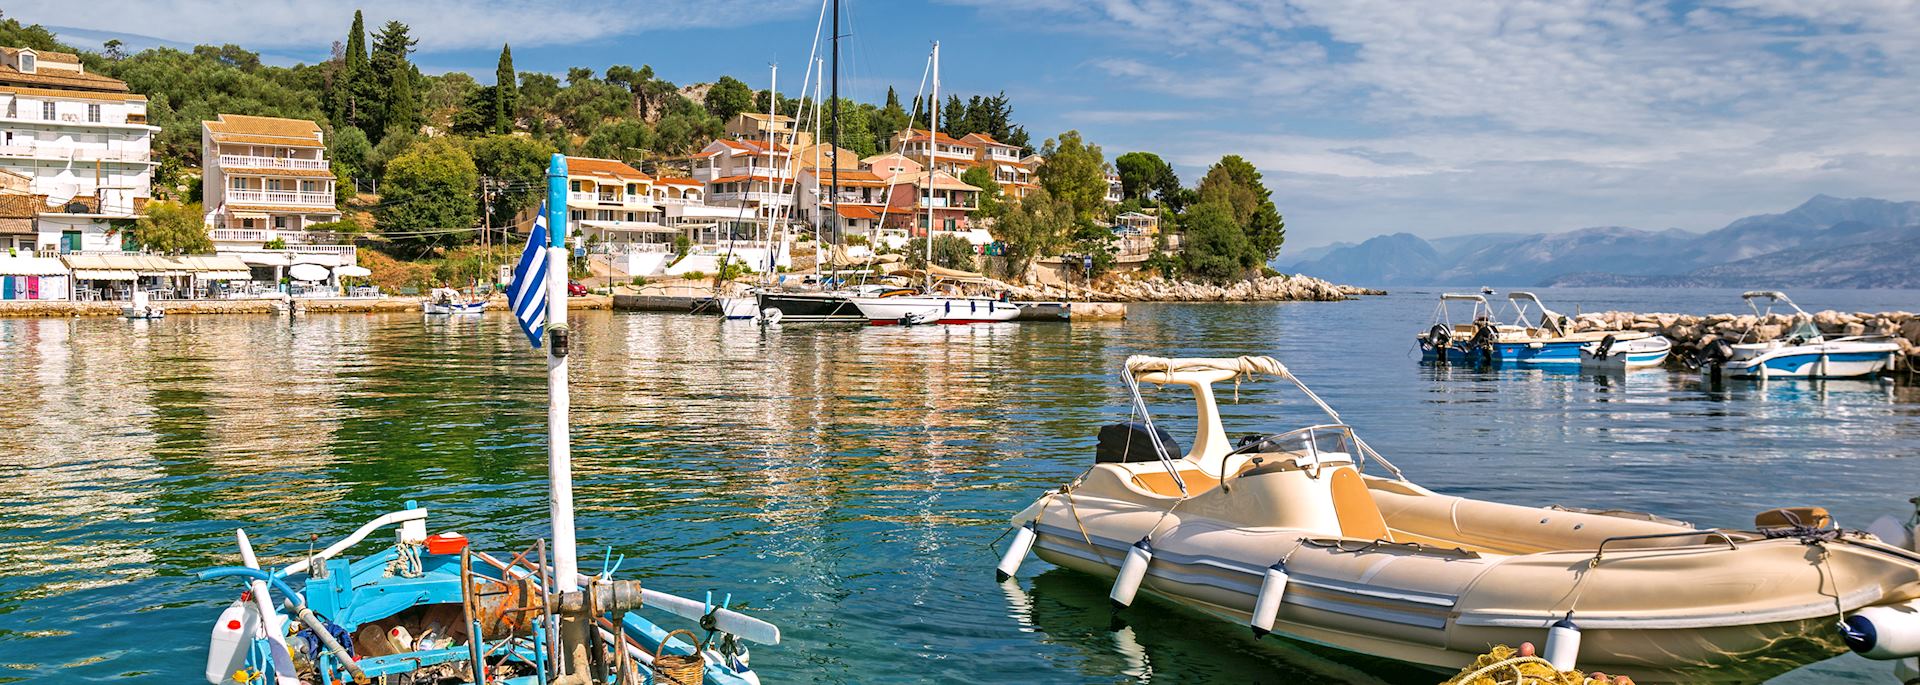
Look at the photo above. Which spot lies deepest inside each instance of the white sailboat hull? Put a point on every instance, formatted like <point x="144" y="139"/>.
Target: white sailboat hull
<point x="884" y="311"/>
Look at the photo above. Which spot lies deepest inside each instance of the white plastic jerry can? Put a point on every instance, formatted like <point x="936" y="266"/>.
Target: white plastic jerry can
<point x="1132" y="571"/>
<point x="232" y="638"/>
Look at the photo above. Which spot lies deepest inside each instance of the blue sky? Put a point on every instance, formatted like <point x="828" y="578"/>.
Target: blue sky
<point x="1366" y="116"/>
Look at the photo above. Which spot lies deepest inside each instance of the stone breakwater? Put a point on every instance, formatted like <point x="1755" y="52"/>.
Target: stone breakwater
<point x="1692" y="332"/>
<point x="1270" y="289"/>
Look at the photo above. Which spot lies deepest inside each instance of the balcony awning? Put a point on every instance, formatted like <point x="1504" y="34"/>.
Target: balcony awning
<point x="123" y="267"/>
<point x="1007" y="168"/>
<point x="31" y="266"/>
<point x="323" y="259"/>
<point x="216" y="267"/>
<point x="264" y="259"/>
<point x="250" y="215"/>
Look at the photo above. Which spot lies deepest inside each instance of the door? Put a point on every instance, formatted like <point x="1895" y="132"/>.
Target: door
<point x="70" y="241"/>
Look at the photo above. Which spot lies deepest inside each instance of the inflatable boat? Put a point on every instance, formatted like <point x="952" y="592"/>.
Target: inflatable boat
<point x="1296" y="534"/>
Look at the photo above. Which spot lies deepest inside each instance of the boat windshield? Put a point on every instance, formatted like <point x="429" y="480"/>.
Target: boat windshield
<point x="1313" y="442"/>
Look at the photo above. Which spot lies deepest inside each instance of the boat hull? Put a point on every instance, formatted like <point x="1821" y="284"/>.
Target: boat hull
<point x="811" y="307"/>
<point x="1633" y="354"/>
<point x="439" y="309"/>
<point x="1509" y="354"/>
<point x="1813" y="361"/>
<point x="883" y="311"/>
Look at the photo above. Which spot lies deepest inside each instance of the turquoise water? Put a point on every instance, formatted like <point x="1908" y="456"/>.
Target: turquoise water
<point x="844" y="482"/>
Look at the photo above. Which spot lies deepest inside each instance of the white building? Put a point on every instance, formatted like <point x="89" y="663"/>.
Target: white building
<point x="266" y="182"/>
<point x="83" y="143"/>
<point x="747" y="173"/>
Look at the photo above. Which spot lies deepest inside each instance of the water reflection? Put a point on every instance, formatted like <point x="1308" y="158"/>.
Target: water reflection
<point x="844" y="481"/>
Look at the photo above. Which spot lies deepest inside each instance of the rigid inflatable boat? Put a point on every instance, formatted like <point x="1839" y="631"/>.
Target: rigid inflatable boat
<point x="1287" y="534"/>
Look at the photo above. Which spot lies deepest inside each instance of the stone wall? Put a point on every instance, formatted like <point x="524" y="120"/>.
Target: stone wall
<point x="1691" y="332"/>
<point x="63" y="308"/>
<point x="1272" y="289"/>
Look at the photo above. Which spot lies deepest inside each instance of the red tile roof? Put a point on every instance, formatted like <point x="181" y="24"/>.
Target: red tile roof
<point x="608" y="168"/>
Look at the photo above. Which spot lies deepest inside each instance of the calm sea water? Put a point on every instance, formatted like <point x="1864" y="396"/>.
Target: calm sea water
<point x="844" y="482"/>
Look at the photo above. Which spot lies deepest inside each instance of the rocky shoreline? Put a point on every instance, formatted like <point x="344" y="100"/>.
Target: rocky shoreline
<point x="1270" y="289"/>
<point x="1691" y="332"/>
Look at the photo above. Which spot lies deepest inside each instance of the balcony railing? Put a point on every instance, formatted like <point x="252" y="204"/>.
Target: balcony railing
<point x="608" y="198"/>
<point x="255" y="162"/>
<point x="76" y="153"/>
<point x="283" y="197"/>
<point x="761" y="197"/>
<point x="1003" y="156"/>
<point x="676" y="201"/>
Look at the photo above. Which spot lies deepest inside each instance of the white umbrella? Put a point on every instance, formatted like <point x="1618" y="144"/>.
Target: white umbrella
<point x="352" y="271"/>
<point x="308" y="272"/>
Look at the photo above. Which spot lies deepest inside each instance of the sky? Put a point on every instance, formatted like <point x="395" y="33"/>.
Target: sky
<point x="1364" y="116"/>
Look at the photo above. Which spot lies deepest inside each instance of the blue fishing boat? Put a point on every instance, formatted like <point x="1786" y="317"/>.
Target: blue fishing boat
<point x="1536" y="336"/>
<point x="432" y="609"/>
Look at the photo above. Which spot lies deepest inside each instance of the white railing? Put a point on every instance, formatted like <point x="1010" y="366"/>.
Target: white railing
<point x="675" y="201"/>
<point x="255" y="162"/>
<point x="642" y="248"/>
<point x="604" y="199"/>
<point x="1003" y="156"/>
<point x="942" y="203"/>
<point x="80" y="153"/>
<point x="282" y="197"/>
<point x="240" y="235"/>
<point x="767" y="198"/>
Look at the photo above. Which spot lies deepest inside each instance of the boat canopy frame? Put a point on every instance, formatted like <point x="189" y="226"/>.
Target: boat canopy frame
<point x="1199" y="371"/>
<point x="1481" y="310"/>
<point x="1550" y="320"/>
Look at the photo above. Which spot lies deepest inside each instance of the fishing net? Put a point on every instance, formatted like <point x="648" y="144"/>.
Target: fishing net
<point x="1503" y="665"/>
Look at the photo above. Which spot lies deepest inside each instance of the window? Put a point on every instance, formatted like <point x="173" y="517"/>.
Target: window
<point x="93" y="113"/>
<point x="633" y="189"/>
<point x="273" y="184"/>
<point x="280" y="222"/>
<point x="237" y="183"/>
<point x="46" y="110"/>
<point x="309" y="186"/>
<point x="28" y="63"/>
<point x="246" y="223"/>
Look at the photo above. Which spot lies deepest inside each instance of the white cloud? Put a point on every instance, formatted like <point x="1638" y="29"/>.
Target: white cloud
<point x="438" y="24"/>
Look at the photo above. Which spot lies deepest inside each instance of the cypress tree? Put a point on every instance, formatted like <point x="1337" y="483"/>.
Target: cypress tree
<point x="506" y="91"/>
<point x="350" y="85"/>
<point x="392" y="83"/>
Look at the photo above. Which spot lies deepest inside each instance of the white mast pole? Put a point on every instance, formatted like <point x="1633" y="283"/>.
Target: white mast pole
<point x="773" y="113"/>
<point x="933" y="149"/>
<point x="566" y="562"/>
<point x="820" y="251"/>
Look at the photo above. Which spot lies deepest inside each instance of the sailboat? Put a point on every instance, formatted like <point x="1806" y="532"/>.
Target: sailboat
<point x="929" y="306"/>
<point x="429" y="607"/>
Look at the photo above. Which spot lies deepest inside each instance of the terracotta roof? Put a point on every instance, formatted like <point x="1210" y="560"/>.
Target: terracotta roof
<point x="763" y="117"/>
<point x="675" y="181"/>
<point x="14" y="206"/>
<point x="851" y="177"/>
<point x="61" y="78"/>
<point x="857" y="212"/>
<point x="259" y="171"/>
<point x="609" y="168"/>
<point x="241" y="128"/>
<point x="754" y="146"/>
<point x="48" y="55"/>
<point x="921" y="134"/>
<point x="75" y="94"/>
<point x="941" y="181"/>
<point x="985" y="139"/>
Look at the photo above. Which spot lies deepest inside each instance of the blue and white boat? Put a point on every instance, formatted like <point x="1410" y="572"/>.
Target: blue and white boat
<point x="1613" y="354"/>
<point x="1803" y="352"/>
<point x="444" y="301"/>
<point x="426" y="608"/>
<point x="1537" y="336"/>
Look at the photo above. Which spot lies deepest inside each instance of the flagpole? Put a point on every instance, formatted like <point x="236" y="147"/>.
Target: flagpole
<point x="566" y="563"/>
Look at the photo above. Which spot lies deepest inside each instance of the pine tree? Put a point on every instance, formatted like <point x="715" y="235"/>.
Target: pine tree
<point x="396" y="102"/>
<point x="953" y="117"/>
<point x="506" y="91"/>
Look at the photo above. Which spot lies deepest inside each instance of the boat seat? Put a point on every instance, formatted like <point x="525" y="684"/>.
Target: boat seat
<point x="1161" y="483"/>
<point x="1353" y="505"/>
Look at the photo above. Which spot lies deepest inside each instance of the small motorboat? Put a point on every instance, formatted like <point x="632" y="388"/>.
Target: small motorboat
<point x="912" y="308"/>
<point x="444" y="301"/>
<point x="1287" y="534"/>
<point x="142" y="308"/>
<point x="1803" y="352"/>
<point x="1611" y="353"/>
<point x="1484" y="339"/>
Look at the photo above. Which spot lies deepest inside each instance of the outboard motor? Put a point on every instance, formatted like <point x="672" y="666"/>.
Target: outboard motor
<point x="1483" y="341"/>
<point x="1129" y="442"/>
<point x="1440" y="337"/>
<point x="1712" y="355"/>
<point x="1605" y="348"/>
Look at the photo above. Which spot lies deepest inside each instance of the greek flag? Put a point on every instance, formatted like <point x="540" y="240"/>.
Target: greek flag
<point x="527" y="295"/>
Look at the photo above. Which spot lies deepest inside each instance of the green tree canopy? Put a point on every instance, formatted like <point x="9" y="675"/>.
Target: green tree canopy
<point x="173" y="228"/>
<point x="506" y="95"/>
<point x="992" y="203"/>
<point x="1215" y="249"/>
<point x="352" y="92"/>
<point x="427" y="195"/>
<point x="1034" y="227"/>
<point x="622" y="139"/>
<point x="518" y="164"/>
<point x="1076" y="173"/>
<point x="1235" y="182"/>
<point x="396" y="94"/>
<point x="728" y="97"/>
<point x="949" y="250"/>
<point x="348" y="148"/>
<point x="1144" y="173"/>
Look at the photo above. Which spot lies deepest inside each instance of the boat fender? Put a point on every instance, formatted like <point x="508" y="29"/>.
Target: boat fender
<point x="1267" y="605"/>
<point x="771" y="315"/>
<point x="1563" y="644"/>
<point x="1016" y="552"/>
<point x="1885" y="631"/>
<point x="1132" y="571"/>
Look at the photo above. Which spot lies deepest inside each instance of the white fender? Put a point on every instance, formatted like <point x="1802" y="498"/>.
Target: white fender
<point x="1563" y="644"/>
<point x="770" y="315"/>
<point x="1888" y="631"/>
<point x="1267" y="605"/>
<point x="1132" y="571"/>
<point x="1016" y="552"/>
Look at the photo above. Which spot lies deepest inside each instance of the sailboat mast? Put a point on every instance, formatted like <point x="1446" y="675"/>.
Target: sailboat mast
<point x="933" y="148"/>
<point x="773" y="113"/>
<point x="821" y="253"/>
<point x="566" y="562"/>
<point x="834" y="152"/>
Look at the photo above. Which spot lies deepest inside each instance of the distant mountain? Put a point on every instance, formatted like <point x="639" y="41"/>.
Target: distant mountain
<point x="1824" y="242"/>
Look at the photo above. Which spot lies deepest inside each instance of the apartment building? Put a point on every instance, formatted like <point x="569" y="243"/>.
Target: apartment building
<point x="938" y="150"/>
<point x="612" y="203"/>
<point x="1016" y="177"/>
<point x="83" y="143"/>
<point x="749" y="174"/>
<point x="759" y="125"/>
<point x="265" y="179"/>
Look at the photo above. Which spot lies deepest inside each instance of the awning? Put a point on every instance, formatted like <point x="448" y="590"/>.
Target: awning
<point x="1006" y="167"/>
<point x="31" y="266"/>
<point x="250" y="215"/>
<point x="264" y="259"/>
<point x="352" y="271"/>
<point x="325" y="259"/>
<point x="123" y="267"/>
<point x="307" y="272"/>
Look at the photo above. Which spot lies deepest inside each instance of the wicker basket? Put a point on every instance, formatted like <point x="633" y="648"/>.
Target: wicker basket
<point x="679" y="669"/>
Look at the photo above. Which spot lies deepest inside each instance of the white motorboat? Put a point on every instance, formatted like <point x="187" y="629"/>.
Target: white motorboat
<point x="1611" y="353"/>
<point x="142" y="308"/>
<point x="1803" y="352"/>
<point x="443" y="301"/>
<point x="1288" y="535"/>
<point x="914" y="309"/>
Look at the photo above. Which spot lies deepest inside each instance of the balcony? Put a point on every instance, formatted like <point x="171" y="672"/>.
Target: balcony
<point x="79" y="153"/>
<point x="290" y="198"/>
<point x="943" y="203"/>
<point x="676" y="201"/>
<point x="254" y="162"/>
<point x="1003" y="156"/>
<point x="609" y="200"/>
<point x="760" y="197"/>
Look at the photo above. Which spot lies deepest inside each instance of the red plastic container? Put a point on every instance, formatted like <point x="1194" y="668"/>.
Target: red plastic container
<point x="446" y="543"/>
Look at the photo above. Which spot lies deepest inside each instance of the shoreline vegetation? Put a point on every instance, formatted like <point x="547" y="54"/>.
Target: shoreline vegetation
<point x="432" y="167"/>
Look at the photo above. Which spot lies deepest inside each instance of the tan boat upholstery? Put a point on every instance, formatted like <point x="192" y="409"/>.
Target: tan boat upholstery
<point x="1359" y="517"/>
